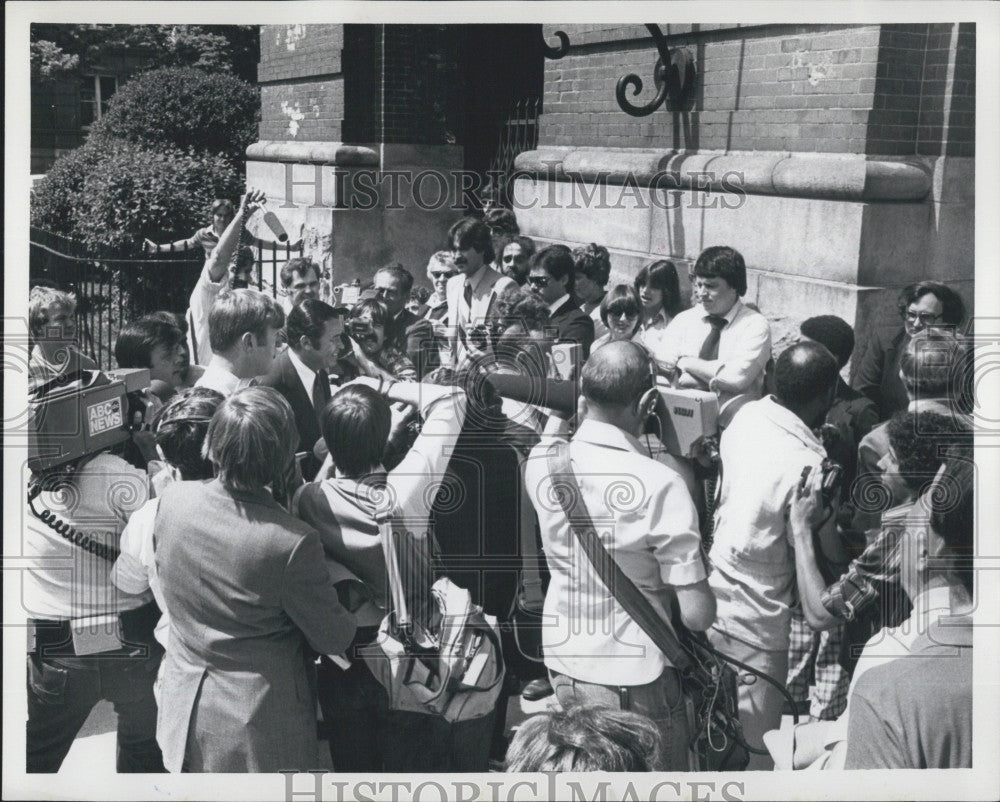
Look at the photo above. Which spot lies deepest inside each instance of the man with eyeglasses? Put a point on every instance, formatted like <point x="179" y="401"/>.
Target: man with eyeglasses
<point x="720" y="344"/>
<point x="473" y="293"/>
<point x="405" y="331"/>
<point x="928" y="303"/>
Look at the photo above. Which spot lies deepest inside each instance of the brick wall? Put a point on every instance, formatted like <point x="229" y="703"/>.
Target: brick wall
<point x="854" y="89"/>
<point x="301" y="81"/>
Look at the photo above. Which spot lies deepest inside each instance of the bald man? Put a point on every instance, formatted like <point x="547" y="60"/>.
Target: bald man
<point x="593" y="649"/>
<point x="763" y="452"/>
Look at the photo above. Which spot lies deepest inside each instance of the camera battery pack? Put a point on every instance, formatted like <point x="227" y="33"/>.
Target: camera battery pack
<point x="95" y="634"/>
<point x="691" y="416"/>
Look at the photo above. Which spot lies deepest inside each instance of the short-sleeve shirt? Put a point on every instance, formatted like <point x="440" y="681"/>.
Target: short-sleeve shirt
<point x="645" y="517"/>
<point x="763" y="452"/>
<point x="63" y="580"/>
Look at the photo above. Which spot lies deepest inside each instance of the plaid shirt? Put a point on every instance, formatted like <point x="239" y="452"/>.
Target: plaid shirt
<point x="866" y="579"/>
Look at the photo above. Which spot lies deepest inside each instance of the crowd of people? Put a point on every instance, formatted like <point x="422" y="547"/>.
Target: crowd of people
<point x="243" y="571"/>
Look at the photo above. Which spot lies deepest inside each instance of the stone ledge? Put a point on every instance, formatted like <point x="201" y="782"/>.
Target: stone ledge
<point x="336" y="153"/>
<point x="849" y="177"/>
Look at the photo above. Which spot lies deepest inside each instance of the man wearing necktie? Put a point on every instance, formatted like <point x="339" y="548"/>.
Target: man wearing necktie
<point x="473" y="292"/>
<point x="300" y="373"/>
<point x="720" y="344"/>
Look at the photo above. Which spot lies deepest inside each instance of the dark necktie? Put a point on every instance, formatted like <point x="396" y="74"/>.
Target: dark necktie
<point x="468" y="295"/>
<point x="710" y="348"/>
<point x="321" y="390"/>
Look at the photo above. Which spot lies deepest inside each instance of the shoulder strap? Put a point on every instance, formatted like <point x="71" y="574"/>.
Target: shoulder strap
<point x="622" y="588"/>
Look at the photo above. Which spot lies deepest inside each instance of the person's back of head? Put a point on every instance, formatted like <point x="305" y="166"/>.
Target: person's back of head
<point x="919" y="440"/>
<point x="355" y="425"/>
<point x="951" y="502"/>
<point x="585" y="738"/>
<point x="617" y="375"/>
<point x="805" y="380"/>
<point x="238" y="312"/>
<point x="594" y="262"/>
<point x="181" y="427"/>
<point x="832" y="332"/>
<point x="251" y="440"/>
<point x="932" y="365"/>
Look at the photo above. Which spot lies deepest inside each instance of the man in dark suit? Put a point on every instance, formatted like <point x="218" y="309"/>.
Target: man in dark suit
<point x="407" y="332"/>
<point x="300" y="373"/>
<point x="551" y="278"/>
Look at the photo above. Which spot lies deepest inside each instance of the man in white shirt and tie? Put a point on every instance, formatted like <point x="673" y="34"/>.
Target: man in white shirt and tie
<point x="719" y="344"/>
<point x="243" y="327"/>
<point x="473" y="292"/>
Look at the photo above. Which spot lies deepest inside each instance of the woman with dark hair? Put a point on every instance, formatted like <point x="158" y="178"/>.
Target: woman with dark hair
<point x="250" y="600"/>
<point x="659" y="290"/>
<point x="921" y="305"/>
<point x="621" y="314"/>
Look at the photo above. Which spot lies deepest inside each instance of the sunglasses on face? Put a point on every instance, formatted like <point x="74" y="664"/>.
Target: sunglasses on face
<point x="444" y="275"/>
<point x="539" y="281"/>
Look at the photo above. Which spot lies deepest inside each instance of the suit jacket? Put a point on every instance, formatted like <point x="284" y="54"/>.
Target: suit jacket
<point x="248" y="590"/>
<point x="484" y="295"/>
<point x="877" y="374"/>
<point x="285" y="379"/>
<point x="573" y="325"/>
<point x="414" y="336"/>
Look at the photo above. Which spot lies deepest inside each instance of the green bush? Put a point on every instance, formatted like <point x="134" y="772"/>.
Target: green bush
<point x="133" y="192"/>
<point x="55" y="196"/>
<point x="184" y="107"/>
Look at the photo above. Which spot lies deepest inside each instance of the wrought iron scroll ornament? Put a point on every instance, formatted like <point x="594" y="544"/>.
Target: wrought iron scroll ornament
<point x="556" y="52"/>
<point x="673" y="74"/>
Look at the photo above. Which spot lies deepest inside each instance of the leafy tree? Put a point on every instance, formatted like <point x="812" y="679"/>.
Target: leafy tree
<point x="186" y="108"/>
<point x="59" y="49"/>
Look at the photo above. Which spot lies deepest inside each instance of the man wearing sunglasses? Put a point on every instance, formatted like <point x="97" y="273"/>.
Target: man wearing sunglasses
<point x="551" y="278"/>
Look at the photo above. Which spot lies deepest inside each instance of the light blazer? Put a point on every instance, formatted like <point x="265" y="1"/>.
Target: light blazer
<point x="248" y="590"/>
<point x="484" y="295"/>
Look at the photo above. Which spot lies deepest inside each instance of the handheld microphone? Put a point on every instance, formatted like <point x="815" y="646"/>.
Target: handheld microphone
<point x="273" y="223"/>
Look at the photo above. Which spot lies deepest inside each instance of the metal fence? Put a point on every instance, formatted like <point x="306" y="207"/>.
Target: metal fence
<point x="115" y="286"/>
<point x="520" y="133"/>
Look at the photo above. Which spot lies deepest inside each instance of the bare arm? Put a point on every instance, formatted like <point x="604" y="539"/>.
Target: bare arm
<point x="218" y="262"/>
<point x="805" y="512"/>
<point x="697" y="605"/>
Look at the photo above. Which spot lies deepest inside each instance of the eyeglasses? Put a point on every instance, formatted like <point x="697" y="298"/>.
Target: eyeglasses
<point x="445" y="274"/>
<point x="539" y="281"/>
<point x="924" y="318"/>
<point x="626" y="313"/>
<point x="509" y="257"/>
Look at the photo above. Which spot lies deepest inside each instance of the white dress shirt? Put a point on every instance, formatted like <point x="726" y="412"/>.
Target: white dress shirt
<point x="306" y="374"/>
<point x="200" y="304"/>
<point x="646" y="518"/>
<point x="744" y="348"/>
<point x="653" y="334"/>
<point x="763" y="452"/>
<point x="218" y="377"/>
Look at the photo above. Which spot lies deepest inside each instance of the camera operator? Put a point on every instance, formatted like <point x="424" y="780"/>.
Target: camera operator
<point x="54" y="353"/>
<point x="88" y="641"/>
<point x="763" y="451"/>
